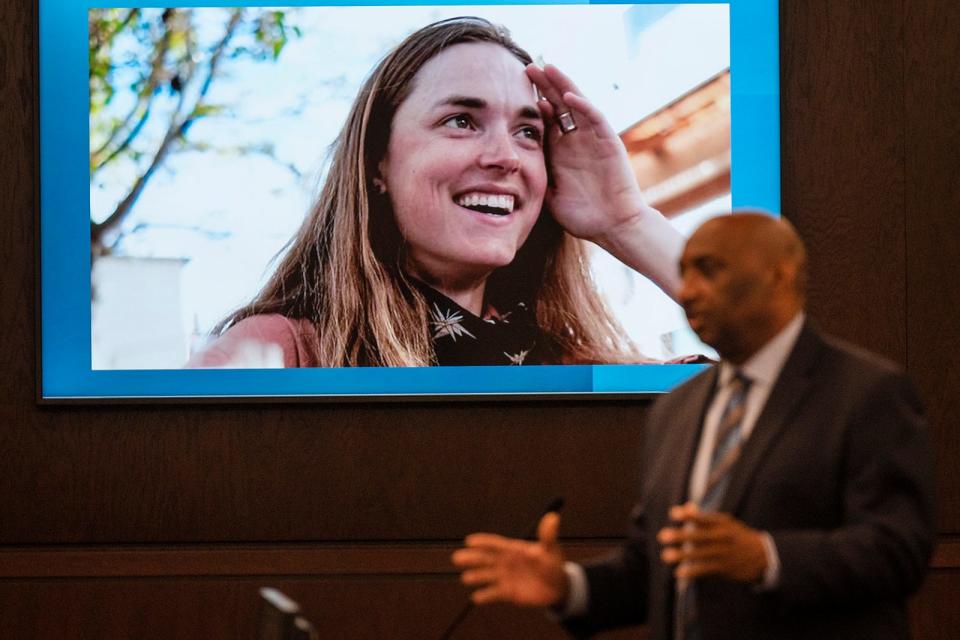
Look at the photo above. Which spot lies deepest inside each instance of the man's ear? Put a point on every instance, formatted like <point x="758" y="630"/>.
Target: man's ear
<point x="785" y="275"/>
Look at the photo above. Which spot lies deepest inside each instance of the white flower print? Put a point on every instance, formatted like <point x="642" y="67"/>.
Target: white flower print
<point x="447" y="324"/>
<point x="517" y="358"/>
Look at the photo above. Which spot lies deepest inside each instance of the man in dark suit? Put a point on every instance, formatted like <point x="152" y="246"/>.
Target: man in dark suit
<point x="787" y="492"/>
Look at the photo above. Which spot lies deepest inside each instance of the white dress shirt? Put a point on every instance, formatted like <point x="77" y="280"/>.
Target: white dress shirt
<point x="763" y="369"/>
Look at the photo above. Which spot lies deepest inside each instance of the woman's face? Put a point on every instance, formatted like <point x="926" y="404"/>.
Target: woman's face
<point x="464" y="167"/>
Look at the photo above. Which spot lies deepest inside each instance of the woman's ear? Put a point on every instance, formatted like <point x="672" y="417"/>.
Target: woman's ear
<point x="378" y="181"/>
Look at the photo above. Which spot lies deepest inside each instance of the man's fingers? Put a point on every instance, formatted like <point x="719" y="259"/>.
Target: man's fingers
<point x="699" y="569"/>
<point x="488" y="595"/>
<point x="492" y="542"/>
<point x="472" y="557"/>
<point x="683" y="512"/>
<point x="710" y="518"/>
<point x="689" y="513"/>
<point x="695" y="553"/>
<point x="694" y="535"/>
<point x="549" y="529"/>
<point x="475" y="577"/>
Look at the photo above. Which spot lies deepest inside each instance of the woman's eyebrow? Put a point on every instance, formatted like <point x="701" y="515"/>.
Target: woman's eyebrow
<point x="530" y="113"/>
<point x="462" y="101"/>
<point x="527" y="112"/>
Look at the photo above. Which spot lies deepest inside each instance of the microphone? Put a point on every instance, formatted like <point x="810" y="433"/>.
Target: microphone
<point x="554" y="506"/>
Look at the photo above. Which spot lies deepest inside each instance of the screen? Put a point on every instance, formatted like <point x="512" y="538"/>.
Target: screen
<point x="199" y="236"/>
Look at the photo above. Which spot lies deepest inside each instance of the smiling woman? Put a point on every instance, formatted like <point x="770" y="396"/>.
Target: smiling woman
<point x="450" y="228"/>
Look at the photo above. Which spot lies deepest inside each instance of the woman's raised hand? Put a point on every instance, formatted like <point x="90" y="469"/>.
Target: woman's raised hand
<point x="595" y="195"/>
<point x="594" y="189"/>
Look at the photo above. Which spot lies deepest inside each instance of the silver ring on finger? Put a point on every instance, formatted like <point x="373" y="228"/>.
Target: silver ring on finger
<point x="566" y="122"/>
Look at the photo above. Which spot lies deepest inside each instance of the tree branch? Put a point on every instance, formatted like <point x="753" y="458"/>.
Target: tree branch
<point x="175" y="131"/>
<point x="144" y="101"/>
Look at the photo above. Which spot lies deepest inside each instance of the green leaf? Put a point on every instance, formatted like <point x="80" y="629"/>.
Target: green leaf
<point x="204" y="110"/>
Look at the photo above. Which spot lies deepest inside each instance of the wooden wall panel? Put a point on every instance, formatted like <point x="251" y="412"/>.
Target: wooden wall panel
<point x="842" y="159"/>
<point x="141" y="474"/>
<point x="932" y="207"/>
<point x="870" y="138"/>
<point x="933" y="612"/>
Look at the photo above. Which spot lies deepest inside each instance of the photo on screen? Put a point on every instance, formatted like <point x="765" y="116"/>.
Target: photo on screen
<point x="211" y="131"/>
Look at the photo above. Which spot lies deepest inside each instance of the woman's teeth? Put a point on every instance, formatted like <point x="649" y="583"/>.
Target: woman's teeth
<point x="496" y="204"/>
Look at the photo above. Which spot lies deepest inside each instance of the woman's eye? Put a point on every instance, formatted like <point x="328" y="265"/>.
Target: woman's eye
<point x="459" y="121"/>
<point x="531" y="133"/>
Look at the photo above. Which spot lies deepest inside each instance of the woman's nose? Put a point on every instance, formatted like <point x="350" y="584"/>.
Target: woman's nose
<point x="499" y="152"/>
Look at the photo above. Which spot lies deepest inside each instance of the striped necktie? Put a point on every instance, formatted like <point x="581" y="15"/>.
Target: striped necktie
<point x="727" y="444"/>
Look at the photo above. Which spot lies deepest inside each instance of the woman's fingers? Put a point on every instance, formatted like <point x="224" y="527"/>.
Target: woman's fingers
<point x="588" y="115"/>
<point x="560" y="81"/>
<point x="561" y="95"/>
<point x="552" y="103"/>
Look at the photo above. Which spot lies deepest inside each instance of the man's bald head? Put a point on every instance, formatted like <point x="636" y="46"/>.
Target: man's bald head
<point x="744" y="278"/>
<point x="770" y="239"/>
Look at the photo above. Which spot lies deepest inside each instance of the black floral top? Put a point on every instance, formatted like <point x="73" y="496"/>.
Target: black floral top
<point x="461" y="338"/>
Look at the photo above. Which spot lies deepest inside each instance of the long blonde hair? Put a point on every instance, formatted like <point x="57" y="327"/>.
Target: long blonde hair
<point x="342" y="270"/>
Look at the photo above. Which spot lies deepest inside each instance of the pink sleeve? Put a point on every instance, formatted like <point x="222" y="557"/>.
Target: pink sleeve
<point x="257" y="342"/>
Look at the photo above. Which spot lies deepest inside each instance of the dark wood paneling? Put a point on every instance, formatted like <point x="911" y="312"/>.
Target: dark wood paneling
<point x="244" y="560"/>
<point x="932" y="129"/>
<point x="314" y="472"/>
<point x="415" y="608"/>
<point x="842" y="142"/>
<point x="351" y="592"/>
<point x="17" y="200"/>
<point x="277" y="559"/>
<point x="373" y="608"/>
<point x="870" y="139"/>
<point x="934" y="614"/>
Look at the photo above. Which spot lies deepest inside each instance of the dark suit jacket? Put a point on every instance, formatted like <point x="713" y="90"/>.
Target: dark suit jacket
<point x="838" y="470"/>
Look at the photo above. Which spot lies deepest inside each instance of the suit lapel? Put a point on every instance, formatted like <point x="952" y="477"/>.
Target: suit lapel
<point x="788" y="390"/>
<point x="687" y="427"/>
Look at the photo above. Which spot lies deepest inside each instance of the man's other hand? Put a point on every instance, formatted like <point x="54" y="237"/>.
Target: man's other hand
<point x="712" y="544"/>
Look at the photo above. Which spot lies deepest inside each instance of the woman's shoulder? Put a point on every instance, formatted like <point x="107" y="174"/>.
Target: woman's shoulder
<point x="263" y="341"/>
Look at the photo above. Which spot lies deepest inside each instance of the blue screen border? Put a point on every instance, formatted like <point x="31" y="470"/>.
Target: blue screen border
<point x="65" y="329"/>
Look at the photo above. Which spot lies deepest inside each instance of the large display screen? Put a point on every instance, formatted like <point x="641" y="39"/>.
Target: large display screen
<point x="323" y="202"/>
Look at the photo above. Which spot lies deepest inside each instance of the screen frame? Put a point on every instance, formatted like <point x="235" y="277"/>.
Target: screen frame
<point x="64" y="373"/>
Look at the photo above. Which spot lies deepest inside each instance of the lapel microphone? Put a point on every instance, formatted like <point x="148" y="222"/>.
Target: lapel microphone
<point x="554" y="506"/>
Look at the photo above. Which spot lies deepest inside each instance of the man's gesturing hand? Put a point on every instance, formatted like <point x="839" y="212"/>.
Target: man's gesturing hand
<point x="712" y="544"/>
<point x="516" y="571"/>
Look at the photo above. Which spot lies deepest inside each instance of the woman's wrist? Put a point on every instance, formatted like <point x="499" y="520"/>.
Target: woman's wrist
<point x="627" y="227"/>
<point x="646" y="242"/>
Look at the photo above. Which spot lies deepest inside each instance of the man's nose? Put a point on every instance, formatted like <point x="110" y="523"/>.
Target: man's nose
<point x="688" y="290"/>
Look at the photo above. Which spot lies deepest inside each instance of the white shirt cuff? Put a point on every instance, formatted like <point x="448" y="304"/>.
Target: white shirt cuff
<point x="771" y="576"/>
<point x="578" y="592"/>
<point x="578" y="598"/>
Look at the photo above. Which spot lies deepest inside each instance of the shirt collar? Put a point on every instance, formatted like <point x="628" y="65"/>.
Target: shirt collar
<point x="764" y="366"/>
